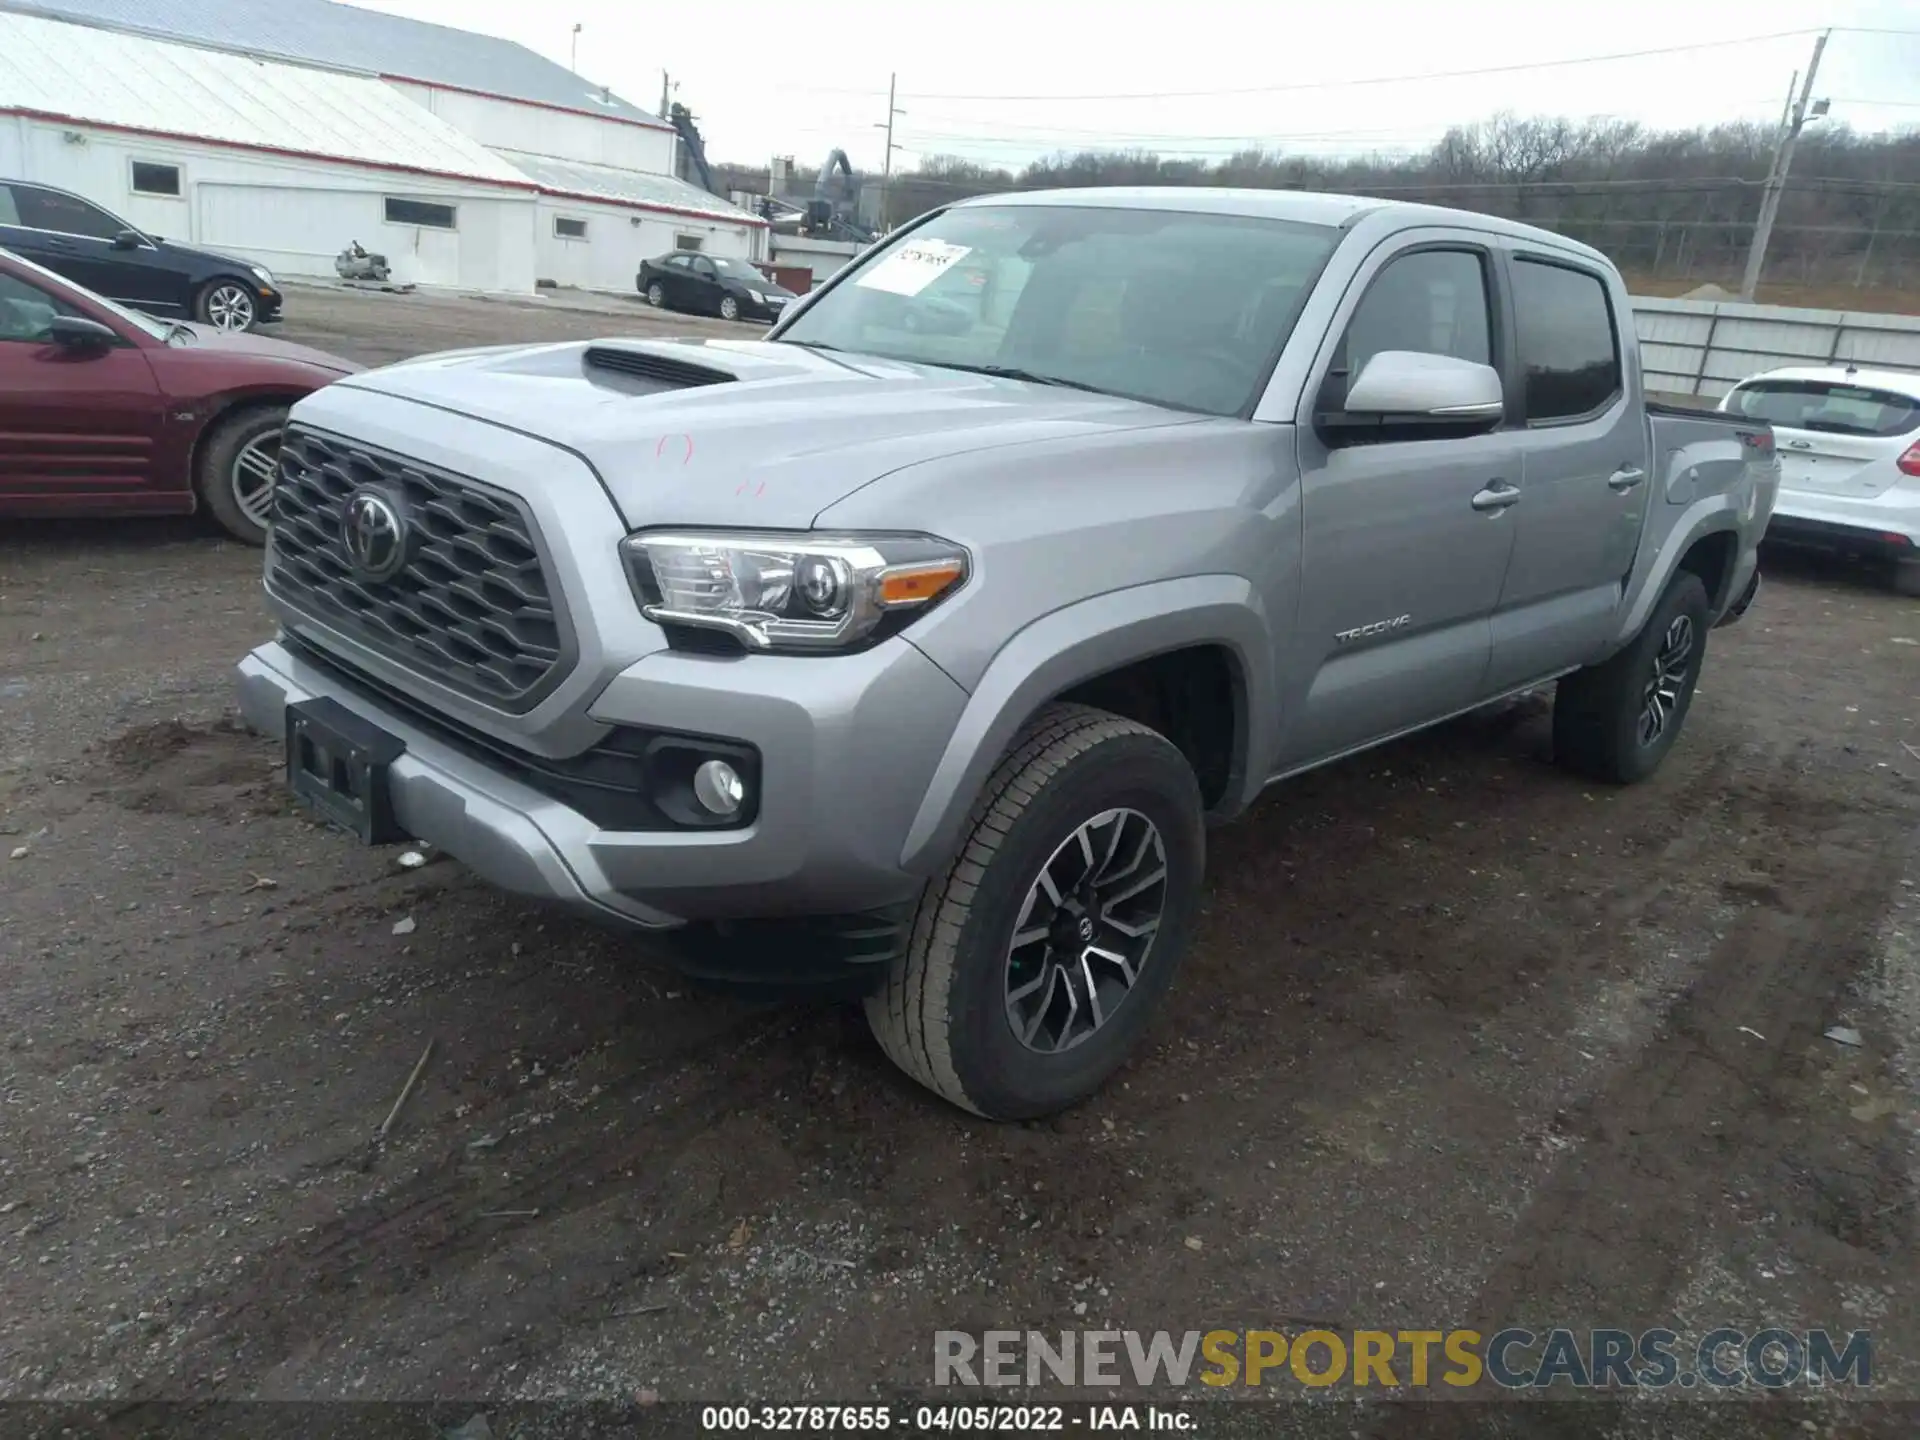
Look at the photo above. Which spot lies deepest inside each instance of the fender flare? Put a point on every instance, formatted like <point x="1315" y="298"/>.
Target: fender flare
<point x="1076" y="643"/>
<point x="1712" y="515"/>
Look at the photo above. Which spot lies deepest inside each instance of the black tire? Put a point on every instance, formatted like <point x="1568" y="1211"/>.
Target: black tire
<point x="1600" y="714"/>
<point x="241" y="433"/>
<point x="942" y="1014"/>
<point x="1906" y="577"/>
<point x="729" y="308"/>
<point x="656" y="295"/>
<point x="227" y="304"/>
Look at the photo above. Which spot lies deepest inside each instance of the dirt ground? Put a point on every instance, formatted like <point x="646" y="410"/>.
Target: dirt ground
<point x="1463" y="1041"/>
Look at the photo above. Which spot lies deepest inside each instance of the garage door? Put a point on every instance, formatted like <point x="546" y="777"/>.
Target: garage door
<point x="296" y="231"/>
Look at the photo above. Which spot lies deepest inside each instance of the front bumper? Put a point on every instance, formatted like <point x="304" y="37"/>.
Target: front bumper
<point x="847" y="744"/>
<point x="266" y="308"/>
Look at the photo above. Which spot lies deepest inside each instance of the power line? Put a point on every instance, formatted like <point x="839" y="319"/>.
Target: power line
<point x="1396" y="79"/>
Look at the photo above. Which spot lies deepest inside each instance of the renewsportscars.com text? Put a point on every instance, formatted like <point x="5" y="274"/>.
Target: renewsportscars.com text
<point x="1513" y="1359"/>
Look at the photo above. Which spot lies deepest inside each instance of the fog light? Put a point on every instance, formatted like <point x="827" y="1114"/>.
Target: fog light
<point x="718" y="787"/>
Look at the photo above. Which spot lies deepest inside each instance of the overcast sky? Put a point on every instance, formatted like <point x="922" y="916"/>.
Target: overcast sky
<point x="1005" y="81"/>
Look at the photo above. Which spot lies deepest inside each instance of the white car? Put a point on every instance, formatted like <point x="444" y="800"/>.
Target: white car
<point x="1849" y="446"/>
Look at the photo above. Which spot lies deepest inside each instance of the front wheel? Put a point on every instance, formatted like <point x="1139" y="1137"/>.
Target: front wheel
<point x="1615" y="722"/>
<point x="226" y="305"/>
<point x="1036" y="958"/>
<point x="729" y="308"/>
<point x="235" y="470"/>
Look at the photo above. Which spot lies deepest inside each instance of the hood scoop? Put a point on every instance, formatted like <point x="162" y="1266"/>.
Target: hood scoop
<point x="663" y="370"/>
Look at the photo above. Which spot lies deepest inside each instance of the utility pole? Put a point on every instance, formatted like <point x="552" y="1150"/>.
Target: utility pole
<point x="573" y="54"/>
<point x="886" y="165"/>
<point x="665" y="86"/>
<point x="1777" y="175"/>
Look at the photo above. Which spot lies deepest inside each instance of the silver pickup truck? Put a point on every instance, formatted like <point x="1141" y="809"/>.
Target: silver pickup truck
<point x="939" y="625"/>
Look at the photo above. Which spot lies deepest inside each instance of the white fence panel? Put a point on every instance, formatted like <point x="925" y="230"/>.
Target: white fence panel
<point x="1706" y="347"/>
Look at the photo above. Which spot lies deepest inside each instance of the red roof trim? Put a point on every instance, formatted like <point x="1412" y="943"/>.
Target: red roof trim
<point x="530" y="185"/>
<point x="256" y="149"/>
<point x="536" y="104"/>
<point x="744" y="219"/>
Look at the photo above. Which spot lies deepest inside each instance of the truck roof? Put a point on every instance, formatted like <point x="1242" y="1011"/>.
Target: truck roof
<point x="1311" y="207"/>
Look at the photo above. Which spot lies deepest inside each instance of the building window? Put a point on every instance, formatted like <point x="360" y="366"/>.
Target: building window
<point x="687" y="242"/>
<point x="419" y="212"/>
<point x="154" y="179"/>
<point x="565" y="229"/>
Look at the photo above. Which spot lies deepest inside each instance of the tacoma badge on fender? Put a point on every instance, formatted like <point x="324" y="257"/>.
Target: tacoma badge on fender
<point x="1367" y="632"/>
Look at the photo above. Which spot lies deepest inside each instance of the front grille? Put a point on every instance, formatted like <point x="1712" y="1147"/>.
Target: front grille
<point x="471" y="607"/>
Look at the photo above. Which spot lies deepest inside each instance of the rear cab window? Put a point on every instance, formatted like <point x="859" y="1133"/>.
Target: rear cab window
<point x="1569" y="344"/>
<point x="1826" y="406"/>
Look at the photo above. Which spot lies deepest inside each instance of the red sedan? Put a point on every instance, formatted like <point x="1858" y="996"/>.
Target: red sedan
<point x="106" y="411"/>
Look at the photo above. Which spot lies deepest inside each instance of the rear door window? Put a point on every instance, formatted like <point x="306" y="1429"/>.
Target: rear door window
<point x="1568" y="347"/>
<point x="1821" y="405"/>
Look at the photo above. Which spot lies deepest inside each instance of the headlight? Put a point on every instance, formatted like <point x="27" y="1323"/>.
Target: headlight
<point x="790" y="592"/>
<point x="265" y="275"/>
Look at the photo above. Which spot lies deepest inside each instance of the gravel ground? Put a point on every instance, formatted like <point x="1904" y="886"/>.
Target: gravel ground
<point x="1463" y="1041"/>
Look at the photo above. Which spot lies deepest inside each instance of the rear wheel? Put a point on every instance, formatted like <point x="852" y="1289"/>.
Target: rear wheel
<point x="1615" y="722"/>
<point x="236" y="469"/>
<point x="1036" y="958"/>
<point x="657" y="296"/>
<point x="1906" y="577"/>
<point x="226" y="305"/>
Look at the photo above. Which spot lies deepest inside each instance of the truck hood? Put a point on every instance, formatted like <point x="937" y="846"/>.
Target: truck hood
<point x="745" y="433"/>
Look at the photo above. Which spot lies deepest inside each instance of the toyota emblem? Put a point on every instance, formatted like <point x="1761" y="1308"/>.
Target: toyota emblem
<point x="374" y="533"/>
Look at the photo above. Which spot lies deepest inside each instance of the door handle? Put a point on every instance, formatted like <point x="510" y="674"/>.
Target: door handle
<point x="1497" y="496"/>
<point x="1625" y="478"/>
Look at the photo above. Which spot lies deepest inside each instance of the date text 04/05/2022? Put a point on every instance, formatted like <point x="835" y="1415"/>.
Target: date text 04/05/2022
<point x="942" y="1419"/>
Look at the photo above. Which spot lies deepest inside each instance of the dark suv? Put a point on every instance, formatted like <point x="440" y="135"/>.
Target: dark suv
<point x="74" y="237"/>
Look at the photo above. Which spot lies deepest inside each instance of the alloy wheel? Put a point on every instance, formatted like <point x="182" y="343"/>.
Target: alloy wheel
<point x="252" y="479"/>
<point x="1085" y="930"/>
<point x="230" y="307"/>
<point x="1670" y="665"/>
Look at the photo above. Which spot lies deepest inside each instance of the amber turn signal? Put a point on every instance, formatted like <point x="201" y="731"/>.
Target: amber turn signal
<point x="917" y="584"/>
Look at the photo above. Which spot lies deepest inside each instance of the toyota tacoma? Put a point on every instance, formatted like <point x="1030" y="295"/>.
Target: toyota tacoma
<point x="924" y="656"/>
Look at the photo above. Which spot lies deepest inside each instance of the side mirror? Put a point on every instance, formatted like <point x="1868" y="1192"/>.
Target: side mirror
<point x="76" y="332"/>
<point x="1409" y="389"/>
<point x="127" y="240"/>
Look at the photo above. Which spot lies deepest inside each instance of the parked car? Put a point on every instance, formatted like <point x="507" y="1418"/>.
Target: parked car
<point x="74" y="237"/>
<point x="949" y="655"/>
<point x="711" y="285"/>
<point x="1849" y="460"/>
<point x="106" y="411"/>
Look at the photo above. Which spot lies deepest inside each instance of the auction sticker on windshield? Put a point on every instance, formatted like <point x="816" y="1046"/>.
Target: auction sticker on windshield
<point x="914" y="266"/>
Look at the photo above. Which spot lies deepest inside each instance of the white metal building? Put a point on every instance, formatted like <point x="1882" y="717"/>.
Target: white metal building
<point x="282" y="132"/>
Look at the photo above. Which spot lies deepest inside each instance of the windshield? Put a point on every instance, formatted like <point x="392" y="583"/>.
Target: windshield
<point x="158" y="329"/>
<point x="1821" y="405"/>
<point x="1179" y="309"/>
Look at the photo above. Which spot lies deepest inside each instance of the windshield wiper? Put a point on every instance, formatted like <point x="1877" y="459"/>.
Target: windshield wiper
<point x="1015" y="372"/>
<point x="177" y="331"/>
